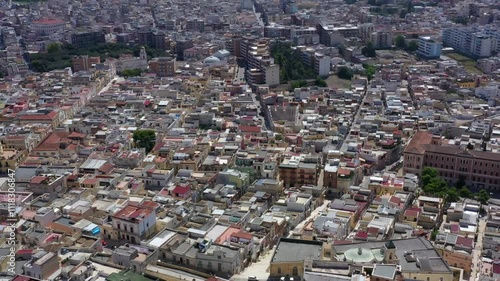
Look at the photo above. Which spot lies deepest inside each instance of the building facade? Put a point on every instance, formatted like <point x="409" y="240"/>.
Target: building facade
<point x="428" y="48"/>
<point x="479" y="169"/>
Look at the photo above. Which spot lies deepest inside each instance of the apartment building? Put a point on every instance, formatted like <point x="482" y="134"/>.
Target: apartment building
<point x="489" y="65"/>
<point x="319" y="62"/>
<point x="381" y="40"/>
<point x="298" y="171"/>
<point x="133" y="223"/>
<point x="479" y="169"/>
<point x="87" y="39"/>
<point x="471" y="41"/>
<point x="163" y="66"/>
<point x="152" y="38"/>
<point x="195" y="25"/>
<point x="261" y="68"/>
<point x="42" y="265"/>
<point x="428" y="48"/>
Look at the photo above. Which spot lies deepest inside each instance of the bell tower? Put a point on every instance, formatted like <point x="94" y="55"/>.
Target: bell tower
<point x="143" y="55"/>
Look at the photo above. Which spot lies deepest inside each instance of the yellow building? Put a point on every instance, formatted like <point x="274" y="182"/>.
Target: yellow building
<point x="10" y="159"/>
<point x="291" y="254"/>
<point x="459" y="259"/>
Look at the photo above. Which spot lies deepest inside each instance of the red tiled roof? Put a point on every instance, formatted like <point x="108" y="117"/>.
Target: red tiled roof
<point x="131" y="212"/>
<point x="361" y="235"/>
<point x="48" y="21"/>
<point x="24" y="251"/>
<point x="250" y="129"/>
<point x="106" y="168"/>
<point x="455" y="228"/>
<point x="48" y="116"/>
<point x="463" y="241"/>
<point x="373" y="230"/>
<point x="395" y="200"/>
<point x="496" y="267"/>
<point x="242" y="235"/>
<point x="343" y="171"/>
<point x="411" y="213"/>
<point x="181" y="189"/>
<point x="37" y="179"/>
<point x="89" y="181"/>
<point x="76" y="135"/>
<point x="419" y="139"/>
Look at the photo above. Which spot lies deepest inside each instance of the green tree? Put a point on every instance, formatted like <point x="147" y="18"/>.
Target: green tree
<point x="428" y="173"/>
<point x="320" y="82"/>
<point x="464" y="192"/>
<point x="413" y="46"/>
<point x="130" y="72"/>
<point x="145" y="139"/>
<point x="345" y="73"/>
<point x="452" y="195"/>
<point x="369" y="71"/>
<point x="369" y="50"/>
<point x="400" y="42"/>
<point x="299" y="84"/>
<point x="434" y="234"/>
<point x="53" y="48"/>
<point x="461" y="20"/>
<point x="460" y="183"/>
<point x="483" y="196"/>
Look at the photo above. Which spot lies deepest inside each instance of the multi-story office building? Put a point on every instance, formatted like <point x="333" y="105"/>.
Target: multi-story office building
<point x="428" y="48"/>
<point x="479" y="169"/>
<point x="86" y="39"/>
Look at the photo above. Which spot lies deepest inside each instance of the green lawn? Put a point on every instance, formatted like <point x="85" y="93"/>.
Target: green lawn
<point x="335" y="82"/>
<point x="468" y="63"/>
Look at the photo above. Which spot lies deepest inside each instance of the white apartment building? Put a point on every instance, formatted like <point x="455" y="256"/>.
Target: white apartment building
<point x="472" y="41"/>
<point x="428" y="48"/>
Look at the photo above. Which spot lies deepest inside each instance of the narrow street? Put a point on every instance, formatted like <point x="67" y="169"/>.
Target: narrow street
<point x="259" y="269"/>
<point x="314" y="214"/>
<point x="477" y="253"/>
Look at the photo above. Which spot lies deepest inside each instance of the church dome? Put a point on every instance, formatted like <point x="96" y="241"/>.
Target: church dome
<point x="211" y="60"/>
